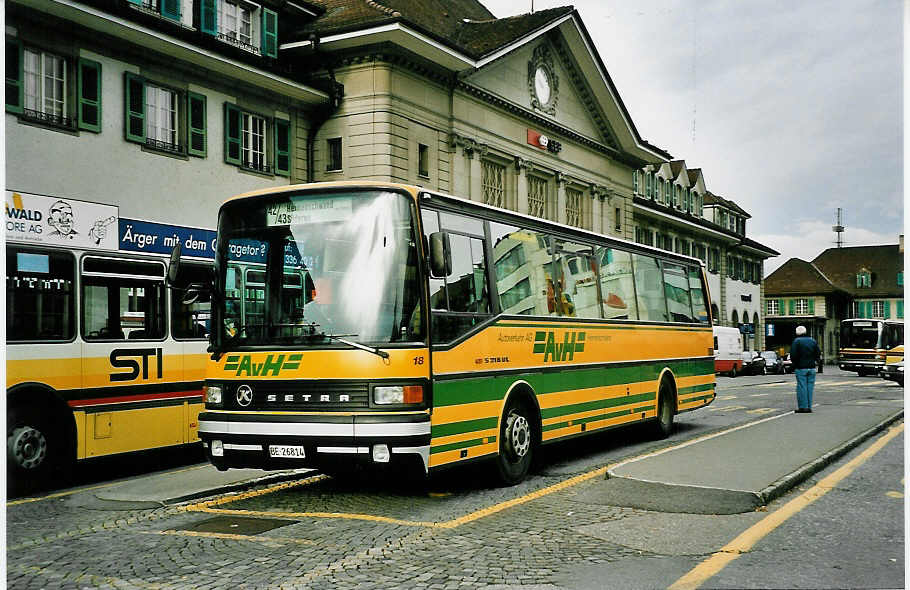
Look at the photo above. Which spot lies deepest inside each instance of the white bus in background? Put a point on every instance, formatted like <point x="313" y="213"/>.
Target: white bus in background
<point x="728" y="348"/>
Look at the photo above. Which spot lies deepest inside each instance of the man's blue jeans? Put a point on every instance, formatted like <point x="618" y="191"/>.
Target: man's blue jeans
<point x="805" y="384"/>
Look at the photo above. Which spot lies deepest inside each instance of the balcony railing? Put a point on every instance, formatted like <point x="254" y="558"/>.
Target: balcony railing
<point x="49" y="119"/>
<point x="231" y="40"/>
<point x="164" y="146"/>
<point x="256" y="166"/>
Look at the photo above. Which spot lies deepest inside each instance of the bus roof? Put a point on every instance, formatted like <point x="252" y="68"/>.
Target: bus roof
<point x="459" y="202"/>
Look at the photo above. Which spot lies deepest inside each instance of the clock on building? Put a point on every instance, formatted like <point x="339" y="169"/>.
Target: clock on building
<point x="543" y="83"/>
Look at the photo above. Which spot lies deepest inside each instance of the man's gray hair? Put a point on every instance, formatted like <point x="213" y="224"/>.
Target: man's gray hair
<point x="800" y="330"/>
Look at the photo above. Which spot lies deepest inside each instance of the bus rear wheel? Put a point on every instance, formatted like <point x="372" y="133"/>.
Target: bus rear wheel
<point x="516" y="444"/>
<point x="663" y="426"/>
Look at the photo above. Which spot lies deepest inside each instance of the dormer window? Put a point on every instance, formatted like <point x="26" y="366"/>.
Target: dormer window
<point x="235" y="23"/>
<point x="635" y="181"/>
<point x="864" y="278"/>
<point x="166" y="8"/>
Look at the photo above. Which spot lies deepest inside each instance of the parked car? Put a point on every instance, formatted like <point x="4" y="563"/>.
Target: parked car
<point x="773" y="363"/>
<point x="753" y="363"/>
<point x="787" y="364"/>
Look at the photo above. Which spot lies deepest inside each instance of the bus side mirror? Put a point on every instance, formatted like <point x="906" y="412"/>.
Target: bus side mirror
<point x="440" y="255"/>
<point x="173" y="267"/>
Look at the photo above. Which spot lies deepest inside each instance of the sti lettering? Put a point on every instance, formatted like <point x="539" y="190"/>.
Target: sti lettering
<point x="136" y="360"/>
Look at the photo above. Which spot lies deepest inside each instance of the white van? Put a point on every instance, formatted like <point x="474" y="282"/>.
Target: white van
<point x="728" y="349"/>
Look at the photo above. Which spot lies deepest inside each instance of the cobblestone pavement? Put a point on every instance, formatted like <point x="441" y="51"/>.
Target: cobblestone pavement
<point x="454" y="532"/>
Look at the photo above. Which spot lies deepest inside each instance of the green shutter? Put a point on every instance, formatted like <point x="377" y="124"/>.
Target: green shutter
<point x="208" y="16"/>
<point x="900" y="279"/>
<point x="89" y="97"/>
<point x="791" y="307"/>
<point x="282" y="147"/>
<point x="887" y="307"/>
<point x="232" y="134"/>
<point x="135" y="108"/>
<point x="811" y="306"/>
<point x="170" y="9"/>
<point x="196" y="119"/>
<point x="269" y="33"/>
<point x="14" y="86"/>
<point x="900" y="309"/>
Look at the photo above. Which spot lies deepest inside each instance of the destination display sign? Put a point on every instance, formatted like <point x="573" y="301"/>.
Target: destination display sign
<point x="41" y="219"/>
<point x="302" y="211"/>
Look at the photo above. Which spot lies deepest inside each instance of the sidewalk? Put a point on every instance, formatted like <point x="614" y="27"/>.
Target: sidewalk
<point x="741" y="469"/>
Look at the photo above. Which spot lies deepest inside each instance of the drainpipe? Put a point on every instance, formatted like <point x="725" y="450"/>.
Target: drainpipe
<point x="336" y="93"/>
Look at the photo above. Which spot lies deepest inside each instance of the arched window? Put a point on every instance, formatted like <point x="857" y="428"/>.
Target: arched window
<point x="755" y="323"/>
<point x="735" y="317"/>
<point x="715" y="313"/>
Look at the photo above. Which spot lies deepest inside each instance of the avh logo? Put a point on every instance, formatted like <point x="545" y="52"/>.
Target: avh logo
<point x="545" y="343"/>
<point x="273" y="365"/>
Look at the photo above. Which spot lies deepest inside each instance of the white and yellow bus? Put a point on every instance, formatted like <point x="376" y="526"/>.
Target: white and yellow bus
<point x="864" y="344"/>
<point x="440" y="331"/>
<point x="101" y="358"/>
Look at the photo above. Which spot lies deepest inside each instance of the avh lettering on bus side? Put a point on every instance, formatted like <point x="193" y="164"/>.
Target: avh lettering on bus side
<point x="545" y="343"/>
<point x="243" y="366"/>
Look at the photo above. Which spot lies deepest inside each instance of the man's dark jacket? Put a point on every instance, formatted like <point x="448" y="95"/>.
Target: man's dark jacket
<point x="804" y="353"/>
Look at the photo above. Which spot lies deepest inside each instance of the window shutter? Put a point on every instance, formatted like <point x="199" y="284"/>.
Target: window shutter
<point x="135" y="108"/>
<point x="14" y="86"/>
<point x="282" y="147"/>
<point x="232" y="134"/>
<point x="170" y="9"/>
<point x="197" y="124"/>
<point x="269" y="33"/>
<point x="791" y="307"/>
<point x="887" y="306"/>
<point x="811" y="306"/>
<point x="900" y="309"/>
<point x="89" y="95"/>
<point x="208" y="16"/>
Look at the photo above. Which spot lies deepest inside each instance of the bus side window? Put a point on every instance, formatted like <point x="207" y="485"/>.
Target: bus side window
<point x="649" y="287"/>
<point x="576" y="272"/>
<point x="616" y="284"/>
<point x="697" y="292"/>
<point x="676" y="288"/>
<point x="122" y="299"/>
<point x="524" y="270"/>
<point x="40" y="295"/>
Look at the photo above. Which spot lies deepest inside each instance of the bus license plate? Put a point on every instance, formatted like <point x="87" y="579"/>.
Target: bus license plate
<point x="287" y="451"/>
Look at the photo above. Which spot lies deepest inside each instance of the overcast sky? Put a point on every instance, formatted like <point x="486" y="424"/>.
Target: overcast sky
<point x="791" y="109"/>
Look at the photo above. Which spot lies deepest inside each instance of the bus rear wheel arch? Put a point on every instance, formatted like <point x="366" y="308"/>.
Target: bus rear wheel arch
<point x="519" y="436"/>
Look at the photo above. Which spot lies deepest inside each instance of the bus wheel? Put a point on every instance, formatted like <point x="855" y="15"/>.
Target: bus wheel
<point x="516" y="438"/>
<point x="663" y="426"/>
<point x="33" y="450"/>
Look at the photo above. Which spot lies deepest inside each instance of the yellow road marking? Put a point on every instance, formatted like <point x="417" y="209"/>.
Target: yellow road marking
<point x="897" y="495"/>
<point x="723" y="398"/>
<point x="725" y="408"/>
<point x="745" y="541"/>
<point x="761" y="411"/>
<point x="98" y="487"/>
<point x="817" y="382"/>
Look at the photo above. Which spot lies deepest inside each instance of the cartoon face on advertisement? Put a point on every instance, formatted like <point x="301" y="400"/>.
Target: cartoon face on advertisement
<point x="60" y="217"/>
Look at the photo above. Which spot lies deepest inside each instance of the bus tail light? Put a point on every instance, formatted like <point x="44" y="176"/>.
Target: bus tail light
<point x="398" y="394"/>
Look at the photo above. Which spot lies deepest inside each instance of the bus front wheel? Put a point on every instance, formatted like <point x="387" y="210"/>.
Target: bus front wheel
<point x="35" y="448"/>
<point x="516" y="444"/>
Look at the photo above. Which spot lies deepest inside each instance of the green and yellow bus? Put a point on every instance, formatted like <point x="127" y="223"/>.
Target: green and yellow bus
<point x="398" y="324"/>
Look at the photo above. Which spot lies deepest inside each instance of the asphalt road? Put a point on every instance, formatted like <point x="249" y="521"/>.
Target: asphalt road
<point x="553" y="531"/>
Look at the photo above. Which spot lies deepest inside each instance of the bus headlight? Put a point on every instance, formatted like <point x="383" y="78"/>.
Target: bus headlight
<point x="213" y="394"/>
<point x="398" y="394"/>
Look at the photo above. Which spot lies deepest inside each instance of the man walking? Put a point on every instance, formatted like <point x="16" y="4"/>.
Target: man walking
<point x="804" y="354"/>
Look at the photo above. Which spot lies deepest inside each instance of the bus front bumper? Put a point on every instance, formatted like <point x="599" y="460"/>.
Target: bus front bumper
<point x="855" y="365"/>
<point x="272" y="441"/>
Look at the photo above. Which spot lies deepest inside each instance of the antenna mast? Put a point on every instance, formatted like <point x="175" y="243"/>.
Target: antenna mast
<point x="839" y="228"/>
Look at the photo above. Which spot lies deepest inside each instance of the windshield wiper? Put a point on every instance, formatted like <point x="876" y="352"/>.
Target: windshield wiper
<point x="339" y="338"/>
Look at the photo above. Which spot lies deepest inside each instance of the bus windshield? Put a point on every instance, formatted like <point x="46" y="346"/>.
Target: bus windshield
<point x="308" y="268"/>
<point x="859" y="334"/>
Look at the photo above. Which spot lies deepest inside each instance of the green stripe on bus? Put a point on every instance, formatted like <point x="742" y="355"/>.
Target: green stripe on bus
<point x="696" y="388"/>
<point x="701" y="398"/>
<point x="462" y="427"/>
<point x="568" y="326"/>
<point x="565" y="424"/>
<point x="642" y="409"/>
<point x="461" y="445"/>
<point x="596" y="405"/>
